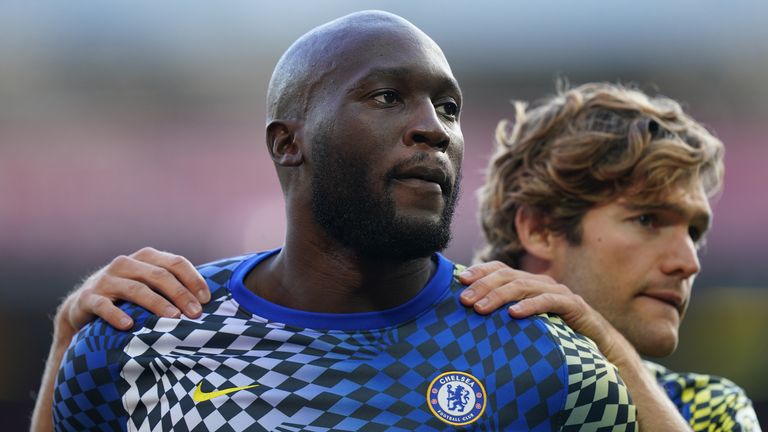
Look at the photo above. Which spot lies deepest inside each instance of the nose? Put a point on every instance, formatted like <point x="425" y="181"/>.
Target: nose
<point x="682" y="258"/>
<point x="427" y="128"/>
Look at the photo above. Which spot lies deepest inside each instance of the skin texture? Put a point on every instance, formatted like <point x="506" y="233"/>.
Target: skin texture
<point x="389" y="99"/>
<point x="383" y="103"/>
<point x="410" y="123"/>
<point x="631" y="252"/>
<point x="636" y="266"/>
<point x="148" y="277"/>
<point x="626" y="285"/>
<point x="379" y="93"/>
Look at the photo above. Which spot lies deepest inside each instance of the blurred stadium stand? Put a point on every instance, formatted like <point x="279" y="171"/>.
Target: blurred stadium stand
<point x="124" y="124"/>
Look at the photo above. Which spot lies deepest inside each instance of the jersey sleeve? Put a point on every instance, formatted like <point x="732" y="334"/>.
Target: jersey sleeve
<point x="90" y="389"/>
<point x="597" y="397"/>
<point x="87" y="394"/>
<point x="709" y="403"/>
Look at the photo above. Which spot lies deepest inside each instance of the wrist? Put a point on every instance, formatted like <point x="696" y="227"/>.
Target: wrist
<point x="63" y="332"/>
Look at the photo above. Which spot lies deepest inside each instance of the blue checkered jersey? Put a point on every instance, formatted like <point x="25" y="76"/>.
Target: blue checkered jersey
<point x="430" y="364"/>
<point x="709" y="403"/>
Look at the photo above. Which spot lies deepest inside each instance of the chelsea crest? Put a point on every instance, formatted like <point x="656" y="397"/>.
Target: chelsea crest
<point x="456" y="398"/>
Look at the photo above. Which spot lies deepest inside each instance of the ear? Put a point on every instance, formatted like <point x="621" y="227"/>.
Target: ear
<point x="283" y="143"/>
<point x="538" y="241"/>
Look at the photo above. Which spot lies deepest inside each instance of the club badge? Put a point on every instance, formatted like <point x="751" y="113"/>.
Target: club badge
<point x="457" y="398"/>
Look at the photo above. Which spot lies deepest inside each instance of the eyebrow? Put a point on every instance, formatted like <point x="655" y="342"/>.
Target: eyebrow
<point x="698" y="216"/>
<point x="447" y="82"/>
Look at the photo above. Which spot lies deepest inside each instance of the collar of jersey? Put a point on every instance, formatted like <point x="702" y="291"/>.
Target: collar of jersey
<point x="435" y="289"/>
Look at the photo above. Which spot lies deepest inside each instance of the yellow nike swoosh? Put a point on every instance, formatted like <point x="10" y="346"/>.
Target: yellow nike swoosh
<point x="200" y="396"/>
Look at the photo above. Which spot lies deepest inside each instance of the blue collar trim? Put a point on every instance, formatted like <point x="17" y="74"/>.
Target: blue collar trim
<point x="435" y="289"/>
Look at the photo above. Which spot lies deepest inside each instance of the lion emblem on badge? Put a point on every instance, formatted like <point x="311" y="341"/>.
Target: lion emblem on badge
<point x="457" y="398"/>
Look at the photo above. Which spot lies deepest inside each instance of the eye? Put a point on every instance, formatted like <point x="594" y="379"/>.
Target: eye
<point x="386" y="97"/>
<point x="697" y="236"/>
<point x="448" y="109"/>
<point x="694" y="233"/>
<point x="646" y="219"/>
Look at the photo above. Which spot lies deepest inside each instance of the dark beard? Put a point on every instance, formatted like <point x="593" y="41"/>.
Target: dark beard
<point x="357" y="217"/>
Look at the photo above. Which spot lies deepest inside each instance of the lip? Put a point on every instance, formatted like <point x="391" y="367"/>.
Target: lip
<point x="672" y="298"/>
<point x="429" y="174"/>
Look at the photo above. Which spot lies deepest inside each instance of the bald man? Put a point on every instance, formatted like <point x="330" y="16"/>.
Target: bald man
<point x="355" y="322"/>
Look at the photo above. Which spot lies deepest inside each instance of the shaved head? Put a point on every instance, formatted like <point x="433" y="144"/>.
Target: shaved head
<point x="301" y="73"/>
<point x="363" y="127"/>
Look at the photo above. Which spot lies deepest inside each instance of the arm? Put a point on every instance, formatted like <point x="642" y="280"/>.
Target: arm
<point x="491" y="285"/>
<point x="148" y="278"/>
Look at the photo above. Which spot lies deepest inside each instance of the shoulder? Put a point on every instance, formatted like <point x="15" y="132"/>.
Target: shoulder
<point x="218" y="273"/>
<point x="89" y="386"/>
<point x="708" y="402"/>
<point x="87" y="394"/>
<point x="597" y="396"/>
<point x="580" y="386"/>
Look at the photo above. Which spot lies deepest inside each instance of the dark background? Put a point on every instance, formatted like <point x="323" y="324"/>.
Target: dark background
<point x="124" y="124"/>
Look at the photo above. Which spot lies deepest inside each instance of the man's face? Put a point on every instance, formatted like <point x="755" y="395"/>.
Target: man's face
<point x="387" y="148"/>
<point x="636" y="264"/>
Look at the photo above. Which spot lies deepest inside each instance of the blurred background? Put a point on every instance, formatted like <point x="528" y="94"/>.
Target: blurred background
<point x="133" y="123"/>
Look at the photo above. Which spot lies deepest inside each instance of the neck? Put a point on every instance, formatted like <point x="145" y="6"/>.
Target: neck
<point x="322" y="276"/>
<point x="532" y="264"/>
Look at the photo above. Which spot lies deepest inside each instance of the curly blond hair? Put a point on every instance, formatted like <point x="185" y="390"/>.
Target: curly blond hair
<point x="585" y="146"/>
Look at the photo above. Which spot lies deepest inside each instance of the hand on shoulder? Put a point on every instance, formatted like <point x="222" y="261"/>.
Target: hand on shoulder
<point x="493" y="284"/>
<point x="164" y="283"/>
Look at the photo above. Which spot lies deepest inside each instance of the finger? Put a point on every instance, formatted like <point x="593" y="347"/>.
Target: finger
<point x="575" y="311"/>
<point x="180" y="267"/>
<point x="568" y="306"/>
<point x="159" y="279"/>
<point x="524" y="286"/>
<point x="507" y="284"/>
<point x="140" y="294"/>
<point x="73" y="313"/>
<point x="498" y="297"/>
<point x="497" y="280"/>
<point x="524" y="308"/>
<point x="477" y="271"/>
<point x="481" y="286"/>
<point x="106" y="310"/>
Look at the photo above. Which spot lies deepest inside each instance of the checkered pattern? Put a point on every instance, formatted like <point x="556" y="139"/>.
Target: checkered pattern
<point x="312" y="380"/>
<point x="86" y="397"/>
<point x="597" y="398"/>
<point x="709" y="403"/>
<point x="88" y="393"/>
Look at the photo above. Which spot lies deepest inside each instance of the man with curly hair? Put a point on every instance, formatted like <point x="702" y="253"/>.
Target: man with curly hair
<point x="354" y="323"/>
<point x="599" y="196"/>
